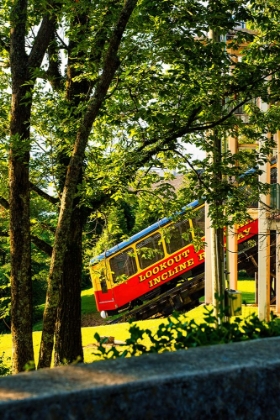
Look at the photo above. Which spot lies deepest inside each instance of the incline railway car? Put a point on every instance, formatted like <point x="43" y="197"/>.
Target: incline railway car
<point x="152" y="261"/>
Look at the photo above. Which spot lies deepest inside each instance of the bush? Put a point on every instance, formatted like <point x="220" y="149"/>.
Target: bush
<point x="179" y="334"/>
<point x="4" y="369"/>
<point x="242" y="275"/>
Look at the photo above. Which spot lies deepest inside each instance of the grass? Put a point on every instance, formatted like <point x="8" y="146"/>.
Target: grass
<point x="248" y="289"/>
<point x="87" y="302"/>
<point x="120" y="331"/>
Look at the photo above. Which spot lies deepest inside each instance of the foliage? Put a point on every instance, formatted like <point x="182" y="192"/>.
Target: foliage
<point x="5" y="369"/>
<point x="116" y="224"/>
<point x="163" y="89"/>
<point x="180" y="334"/>
<point x="242" y="275"/>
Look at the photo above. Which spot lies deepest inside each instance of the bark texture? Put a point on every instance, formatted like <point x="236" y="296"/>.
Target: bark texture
<point x="21" y="286"/>
<point x="68" y="338"/>
<point x="110" y="66"/>
<point x="19" y="201"/>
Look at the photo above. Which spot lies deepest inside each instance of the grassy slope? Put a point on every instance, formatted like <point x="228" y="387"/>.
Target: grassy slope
<point x="88" y="308"/>
<point x="120" y="331"/>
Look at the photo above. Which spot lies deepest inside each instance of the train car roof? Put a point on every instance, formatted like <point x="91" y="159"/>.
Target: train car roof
<point x="139" y="235"/>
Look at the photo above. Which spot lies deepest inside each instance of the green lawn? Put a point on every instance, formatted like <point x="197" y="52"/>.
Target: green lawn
<point x="88" y="301"/>
<point x="248" y="289"/>
<point x="88" y="307"/>
<point x="120" y="331"/>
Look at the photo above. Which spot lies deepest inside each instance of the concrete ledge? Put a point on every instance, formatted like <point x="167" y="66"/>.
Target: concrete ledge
<point x="233" y="381"/>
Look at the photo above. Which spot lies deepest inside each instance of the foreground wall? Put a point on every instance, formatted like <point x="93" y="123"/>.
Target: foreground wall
<point x="233" y="381"/>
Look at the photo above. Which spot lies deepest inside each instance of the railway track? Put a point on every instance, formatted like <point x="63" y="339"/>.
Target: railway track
<point x="183" y="297"/>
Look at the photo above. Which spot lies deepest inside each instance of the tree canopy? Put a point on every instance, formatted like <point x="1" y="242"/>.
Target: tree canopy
<point x="95" y="94"/>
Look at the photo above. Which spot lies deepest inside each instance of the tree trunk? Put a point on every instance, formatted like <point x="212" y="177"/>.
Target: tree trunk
<point x="21" y="285"/>
<point x="22" y="66"/>
<point x="218" y="231"/>
<point x="68" y="339"/>
<point x="110" y="66"/>
<point x="219" y="273"/>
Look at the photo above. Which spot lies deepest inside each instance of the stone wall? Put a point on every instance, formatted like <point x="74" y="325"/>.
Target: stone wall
<point x="232" y="381"/>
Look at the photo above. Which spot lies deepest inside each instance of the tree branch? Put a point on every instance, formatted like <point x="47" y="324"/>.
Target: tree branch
<point x="4" y="234"/>
<point x="53" y="72"/>
<point x="43" y="194"/>
<point x="42" y="40"/>
<point x="4" y="203"/>
<point x="198" y="174"/>
<point x="42" y="245"/>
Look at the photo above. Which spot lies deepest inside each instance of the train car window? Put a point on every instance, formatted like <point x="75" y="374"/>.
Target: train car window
<point x="123" y="265"/>
<point x="150" y="250"/>
<point x="177" y="236"/>
<point x="102" y="279"/>
<point x="199" y="222"/>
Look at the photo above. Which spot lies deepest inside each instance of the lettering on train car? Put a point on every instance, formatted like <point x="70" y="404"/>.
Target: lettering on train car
<point x="165" y="265"/>
<point x="171" y="273"/>
<point x="171" y="267"/>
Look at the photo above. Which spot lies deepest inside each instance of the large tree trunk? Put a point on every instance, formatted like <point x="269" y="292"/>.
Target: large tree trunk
<point x="110" y="66"/>
<point x="68" y="344"/>
<point x="22" y="84"/>
<point x="21" y="285"/>
<point x="68" y="339"/>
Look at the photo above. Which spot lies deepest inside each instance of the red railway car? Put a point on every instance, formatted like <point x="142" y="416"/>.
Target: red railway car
<point x="152" y="261"/>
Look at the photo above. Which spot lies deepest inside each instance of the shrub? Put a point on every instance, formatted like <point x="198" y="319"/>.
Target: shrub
<point x="4" y="369"/>
<point x="179" y="333"/>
